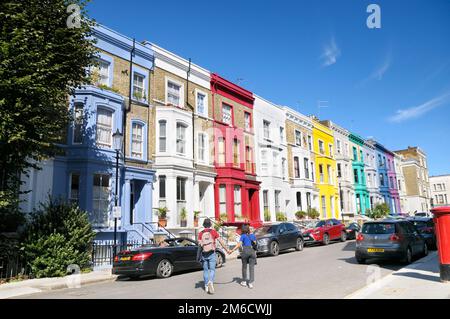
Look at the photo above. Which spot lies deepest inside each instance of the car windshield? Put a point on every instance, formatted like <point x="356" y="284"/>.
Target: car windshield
<point x="320" y="223"/>
<point x="378" y="228"/>
<point x="266" y="230"/>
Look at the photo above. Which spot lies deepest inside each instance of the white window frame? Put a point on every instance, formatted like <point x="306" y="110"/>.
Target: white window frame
<point x="205" y="103"/>
<point x="142" y="74"/>
<point x="143" y="139"/>
<point x="266" y="129"/>
<point x="205" y="148"/>
<point x="179" y="140"/>
<point x="237" y="200"/>
<point x="247" y="124"/>
<point x="181" y="97"/>
<point x="78" y="122"/>
<point x="230" y="107"/>
<point x="221" y="154"/>
<point x="162" y="137"/>
<point x="298" y="137"/>
<point x="94" y="199"/>
<point x="103" y="58"/>
<point x="321" y="150"/>
<point x="103" y="144"/>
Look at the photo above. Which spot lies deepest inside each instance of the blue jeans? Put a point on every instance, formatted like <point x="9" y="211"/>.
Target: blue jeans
<point x="209" y="268"/>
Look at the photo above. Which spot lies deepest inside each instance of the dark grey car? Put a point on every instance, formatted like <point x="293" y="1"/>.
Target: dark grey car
<point x="389" y="239"/>
<point x="275" y="237"/>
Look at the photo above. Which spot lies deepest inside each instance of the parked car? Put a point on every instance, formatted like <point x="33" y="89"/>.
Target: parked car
<point x="424" y="214"/>
<point x="325" y="231"/>
<point x="304" y="225"/>
<point x="176" y="254"/>
<point x="426" y="228"/>
<point x="275" y="237"/>
<point x="389" y="239"/>
<point x="352" y="229"/>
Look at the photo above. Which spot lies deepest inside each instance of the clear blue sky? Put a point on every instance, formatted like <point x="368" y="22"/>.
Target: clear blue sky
<point x="392" y="83"/>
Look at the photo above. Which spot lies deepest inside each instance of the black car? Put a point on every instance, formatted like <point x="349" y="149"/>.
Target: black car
<point x="389" y="239"/>
<point x="176" y="254"/>
<point x="275" y="237"/>
<point x="352" y="230"/>
<point x="425" y="225"/>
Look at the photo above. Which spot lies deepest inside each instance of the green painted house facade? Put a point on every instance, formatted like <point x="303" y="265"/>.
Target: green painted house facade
<point x="362" y="197"/>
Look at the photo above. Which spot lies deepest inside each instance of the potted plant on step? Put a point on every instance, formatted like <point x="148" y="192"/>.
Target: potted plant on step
<point x="300" y="214"/>
<point x="183" y="217"/>
<point x="196" y="214"/>
<point x="162" y="216"/>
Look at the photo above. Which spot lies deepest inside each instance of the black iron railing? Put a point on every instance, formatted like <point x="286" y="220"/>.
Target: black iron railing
<point x="103" y="252"/>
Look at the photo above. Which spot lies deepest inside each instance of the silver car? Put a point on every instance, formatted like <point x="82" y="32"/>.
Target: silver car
<point x="389" y="239"/>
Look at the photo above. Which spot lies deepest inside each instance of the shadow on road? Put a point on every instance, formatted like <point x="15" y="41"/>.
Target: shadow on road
<point x="391" y="265"/>
<point x="201" y="284"/>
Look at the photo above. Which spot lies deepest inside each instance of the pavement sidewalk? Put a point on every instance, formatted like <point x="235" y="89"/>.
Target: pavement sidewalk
<point x="31" y="286"/>
<point x="419" y="280"/>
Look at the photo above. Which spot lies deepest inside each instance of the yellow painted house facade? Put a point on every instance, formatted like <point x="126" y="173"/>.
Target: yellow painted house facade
<point x="326" y="174"/>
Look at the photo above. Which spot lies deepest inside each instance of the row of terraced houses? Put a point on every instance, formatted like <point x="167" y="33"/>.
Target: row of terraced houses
<point x="195" y="142"/>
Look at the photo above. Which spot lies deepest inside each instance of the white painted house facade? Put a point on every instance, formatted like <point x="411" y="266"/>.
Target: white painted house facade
<point x="183" y="141"/>
<point x="271" y="159"/>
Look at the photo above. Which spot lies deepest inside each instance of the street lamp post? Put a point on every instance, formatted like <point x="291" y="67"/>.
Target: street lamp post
<point x="118" y="141"/>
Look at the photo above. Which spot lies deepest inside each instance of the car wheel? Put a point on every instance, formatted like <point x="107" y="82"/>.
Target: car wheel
<point x="299" y="244"/>
<point x="343" y="236"/>
<point x="164" y="269"/>
<point x="325" y="239"/>
<point x="425" y="249"/>
<point x="219" y="260"/>
<point x="274" y="248"/>
<point x="360" y="260"/>
<point x="408" y="256"/>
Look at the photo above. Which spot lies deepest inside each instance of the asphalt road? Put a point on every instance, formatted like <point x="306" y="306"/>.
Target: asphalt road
<point x="316" y="272"/>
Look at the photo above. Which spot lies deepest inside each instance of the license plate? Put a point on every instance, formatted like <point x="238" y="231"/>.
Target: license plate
<point x="125" y="258"/>
<point x="375" y="250"/>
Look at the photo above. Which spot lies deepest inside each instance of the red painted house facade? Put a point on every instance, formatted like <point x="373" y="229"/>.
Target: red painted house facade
<point x="236" y="188"/>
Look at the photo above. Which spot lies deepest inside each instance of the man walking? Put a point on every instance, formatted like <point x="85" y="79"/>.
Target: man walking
<point x="207" y="239"/>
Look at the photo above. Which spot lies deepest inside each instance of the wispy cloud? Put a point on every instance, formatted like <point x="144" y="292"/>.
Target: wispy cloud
<point x="330" y="53"/>
<point x="379" y="72"/>
<point x="416" y="111"/>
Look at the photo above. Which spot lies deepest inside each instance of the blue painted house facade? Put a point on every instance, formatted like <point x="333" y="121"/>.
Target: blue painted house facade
<point x="85" y="173"/>
<point x="382" y="155"/>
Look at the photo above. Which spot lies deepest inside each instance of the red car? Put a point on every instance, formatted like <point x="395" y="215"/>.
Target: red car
<point x="325" y="231"/>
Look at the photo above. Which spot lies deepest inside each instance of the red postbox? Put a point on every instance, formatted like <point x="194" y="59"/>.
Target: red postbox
<point x="442" y="225"/>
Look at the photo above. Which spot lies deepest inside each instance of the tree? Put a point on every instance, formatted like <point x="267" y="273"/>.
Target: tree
<point x="43" y="59"/>
<point x="379" y="211"/>
<point x="55" y="237"/>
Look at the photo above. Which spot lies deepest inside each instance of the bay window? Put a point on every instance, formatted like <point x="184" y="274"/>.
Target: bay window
<point x="104" y="127"/>
<point x="162" y="135"/>
<point x="181" y="139"/>
<point x="100" y="200"/>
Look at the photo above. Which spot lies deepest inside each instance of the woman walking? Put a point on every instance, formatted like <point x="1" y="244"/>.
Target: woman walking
<point x="248" y="255"/>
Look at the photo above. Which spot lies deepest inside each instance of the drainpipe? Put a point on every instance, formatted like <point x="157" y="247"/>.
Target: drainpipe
<point x="129" y="98"/>
<point x="188" y="73"/>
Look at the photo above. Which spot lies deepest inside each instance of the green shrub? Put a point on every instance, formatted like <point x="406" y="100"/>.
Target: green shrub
<point x="281" y="217"/>
<point x="379" y="211"/>
<point x="57" y="236"/>
<point x="300" y="214"/>
<point x="313" y="213"/>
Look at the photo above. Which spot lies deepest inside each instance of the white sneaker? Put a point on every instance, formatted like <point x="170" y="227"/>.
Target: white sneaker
<point x="206" y="289"/>
<point x="243" y="283"/>
<point x="250" y="286"/>
<point x="210" y="287"/>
